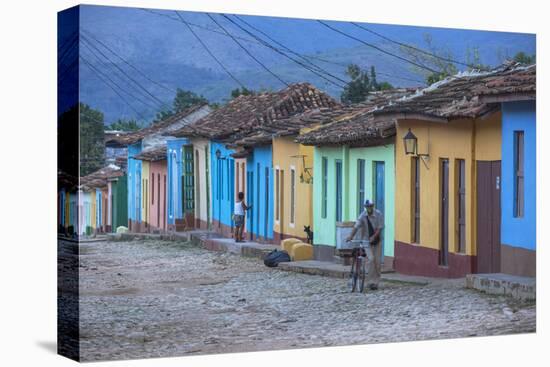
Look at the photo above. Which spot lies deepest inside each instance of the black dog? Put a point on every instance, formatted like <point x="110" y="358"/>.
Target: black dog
<point x="309" y="233"/>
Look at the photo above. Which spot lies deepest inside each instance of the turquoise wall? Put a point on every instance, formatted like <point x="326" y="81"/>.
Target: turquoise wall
<point x="325" y="228"/>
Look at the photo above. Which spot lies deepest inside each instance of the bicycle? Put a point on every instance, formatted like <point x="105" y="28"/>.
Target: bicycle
<point x="358" y="267"/>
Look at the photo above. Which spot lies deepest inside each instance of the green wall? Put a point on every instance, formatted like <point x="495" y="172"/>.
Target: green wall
<point x="325" y="228"/>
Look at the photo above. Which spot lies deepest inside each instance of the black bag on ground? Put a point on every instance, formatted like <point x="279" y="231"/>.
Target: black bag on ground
<point x="275" y="257"/>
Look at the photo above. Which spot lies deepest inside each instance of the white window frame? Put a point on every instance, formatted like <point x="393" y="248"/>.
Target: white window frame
<point x="277" y="198"/>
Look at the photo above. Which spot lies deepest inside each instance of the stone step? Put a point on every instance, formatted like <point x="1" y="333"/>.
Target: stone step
<point x="523" y="288"/>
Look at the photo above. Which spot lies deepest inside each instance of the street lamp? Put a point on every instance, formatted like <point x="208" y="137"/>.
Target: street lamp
<point x="219" y="154"/>
<point x="410" y="142"/>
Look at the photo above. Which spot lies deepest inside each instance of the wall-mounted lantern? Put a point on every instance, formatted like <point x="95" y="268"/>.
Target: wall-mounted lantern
<point x="219" y="154"/>
<point x="411" y="146"/>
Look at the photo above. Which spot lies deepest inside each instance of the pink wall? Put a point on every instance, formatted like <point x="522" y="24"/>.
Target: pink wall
<point x="157" y="196"/>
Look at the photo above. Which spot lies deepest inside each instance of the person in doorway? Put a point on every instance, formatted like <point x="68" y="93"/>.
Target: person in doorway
<point x="369" y="224"/>
<point x="238" y="216"/>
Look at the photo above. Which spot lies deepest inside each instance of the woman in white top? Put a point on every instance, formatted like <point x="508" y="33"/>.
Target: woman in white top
<point x="238" y="216"/>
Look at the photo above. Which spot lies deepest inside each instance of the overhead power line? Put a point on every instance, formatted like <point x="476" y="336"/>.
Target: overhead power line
<point x="208" y="50"/>
<point x="413" y="47"/>
<point x="128" y="63"/>
<point x="302" y="57"/>
<point x="377" y="48"/>
<point x="101" y="76"/>
<point x="248" y="52"/>
<point x="253" y="41"/>
<point x="138" y="84"/>
<point x="316" y="70"/>
<point x="132" y="95"/>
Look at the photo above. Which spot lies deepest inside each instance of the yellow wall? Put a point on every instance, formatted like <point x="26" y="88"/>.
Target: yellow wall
<point x="145" y="191"/>
<point x="93" y="209"/>
<point x="283" y="150"/>
<point x="470" y="140"/>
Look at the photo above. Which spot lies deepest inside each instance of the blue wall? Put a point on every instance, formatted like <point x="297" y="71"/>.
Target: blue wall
<point x="518" y="232"/>
<point x="260" y="217"/>
<point x="223" y="183"/>
<point x="175" y="172"/>
<point x="134" y="183"/>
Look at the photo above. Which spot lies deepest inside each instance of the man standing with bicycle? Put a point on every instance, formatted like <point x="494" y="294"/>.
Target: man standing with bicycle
<point x="369" y="224"/>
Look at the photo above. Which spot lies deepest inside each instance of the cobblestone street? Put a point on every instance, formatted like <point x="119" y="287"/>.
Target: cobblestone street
<point x="156" y="299"/>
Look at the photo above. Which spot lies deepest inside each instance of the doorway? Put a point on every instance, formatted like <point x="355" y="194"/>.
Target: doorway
<point x="444" y="206"/>
<point x="488" y="216"/>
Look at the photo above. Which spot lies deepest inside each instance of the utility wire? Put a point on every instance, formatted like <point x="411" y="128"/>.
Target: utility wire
<point x="196" y="25"/>
<point x="125" y="74"/>
<point x="103" y="78"/>
<point x="208" y="50"/>
<point x="377" y="48"/>
<point x="256" y="42"/>
<point x="412" y="47"/>
<point x="248" y="52"/>
<point x="307" y="67"/>
<point x="317" y="67"/>
<point x="132" y="95"/>
<point x="66" y="48"/>
<point x="129" y="64"/>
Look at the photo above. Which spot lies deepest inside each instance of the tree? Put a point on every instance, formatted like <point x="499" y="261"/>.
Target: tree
<point x="360" y="85"/>
<point x="92" y="140"/>
<point x="525" y="59"/>
<point x="124" y="125"/>
<point x="183" y="100"/>
<point x="438" y="59"/>
<point x="242" y="92"/>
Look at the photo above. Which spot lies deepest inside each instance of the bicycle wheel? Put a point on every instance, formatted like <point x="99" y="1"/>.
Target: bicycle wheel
<point x="361" y="274"/>
<point x="352" y="282"/>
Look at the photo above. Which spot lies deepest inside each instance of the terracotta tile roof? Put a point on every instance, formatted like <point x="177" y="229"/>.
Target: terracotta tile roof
<point x="155" y="154"/>
<point x="99" y="178"/>
<point x="120" y="139"/>
<point x="245" y="114"/>
<point x="354" y="125"/>
<point x="465" y="95"/>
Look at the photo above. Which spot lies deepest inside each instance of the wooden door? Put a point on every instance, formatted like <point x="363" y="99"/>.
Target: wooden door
<point x="488" y="216"/>
<point x="444" y="205"/>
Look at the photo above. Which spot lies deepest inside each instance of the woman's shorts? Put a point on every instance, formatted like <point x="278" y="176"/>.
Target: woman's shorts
<point x="239" y="220"/>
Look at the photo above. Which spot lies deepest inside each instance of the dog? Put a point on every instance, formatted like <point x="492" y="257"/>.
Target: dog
<point x="309" y="233"/>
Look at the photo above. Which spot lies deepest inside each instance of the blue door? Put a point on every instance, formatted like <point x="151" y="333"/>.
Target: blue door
<point x="338" y="190"/>
<point x="379" y="195"/>
<point x="249" y="200"/>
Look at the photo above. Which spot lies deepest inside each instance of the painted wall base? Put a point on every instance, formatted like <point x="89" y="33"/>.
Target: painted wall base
<point x="518" y="261"/>
<point x="223" y="229"/>
<point x="201" y="224"/>
<point x="324" y="252"/>
<point x="418" y="260"/>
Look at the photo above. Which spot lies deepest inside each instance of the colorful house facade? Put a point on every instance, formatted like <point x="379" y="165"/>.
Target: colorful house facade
<point x="180" y="185"/>
<point x="448" y="192"/>
<point x="140" y="182"/>
<point x="118" y="186"/>
<point x="515" y="91"/>
<point x="203" y="200"/>
<point x="518" y="236"/>
<point x="222" y="169"/>
<point x="353" y="160"/>
<point x="154" y="188"/>
<point x="228" y="129"/>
